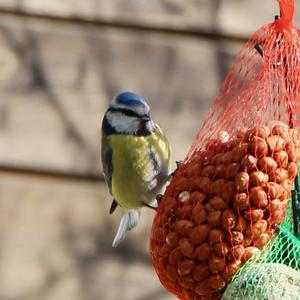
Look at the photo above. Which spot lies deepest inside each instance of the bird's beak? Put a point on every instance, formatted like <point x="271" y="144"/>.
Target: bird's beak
<point x="146" y="118"/>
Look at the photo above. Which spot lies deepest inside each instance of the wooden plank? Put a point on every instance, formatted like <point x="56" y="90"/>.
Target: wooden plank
<point x="169" y="14"/>
<point x="56" y="244"/>
<point x="233" y="17"/>
<point x="58" y="80"/>
<point x="242" y="18"/>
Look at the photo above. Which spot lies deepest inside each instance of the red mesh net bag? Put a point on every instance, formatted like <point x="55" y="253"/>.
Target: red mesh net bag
<point x="228" y="197"/>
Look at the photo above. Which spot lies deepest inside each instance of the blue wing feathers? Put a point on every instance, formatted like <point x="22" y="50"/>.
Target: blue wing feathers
<point x="107" y="166"/>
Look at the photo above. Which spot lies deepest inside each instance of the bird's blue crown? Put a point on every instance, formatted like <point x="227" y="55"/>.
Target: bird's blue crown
<point x="129" y="99"/>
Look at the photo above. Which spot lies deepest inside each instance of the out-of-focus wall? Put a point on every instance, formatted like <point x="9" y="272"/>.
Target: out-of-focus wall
<point x="60" y="64"/>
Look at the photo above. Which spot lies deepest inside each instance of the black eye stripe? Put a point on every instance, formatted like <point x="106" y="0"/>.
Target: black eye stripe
<point x="125" y="111"/>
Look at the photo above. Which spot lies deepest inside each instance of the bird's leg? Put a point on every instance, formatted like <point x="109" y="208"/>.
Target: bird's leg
<point x="113" y="207"/>
<point x="149" y="206"/>
<point x="178" y="164"/>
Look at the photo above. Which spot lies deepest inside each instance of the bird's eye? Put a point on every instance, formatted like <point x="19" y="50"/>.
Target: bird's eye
<point x="130" y="113"/>
<point x="127" y="112"/>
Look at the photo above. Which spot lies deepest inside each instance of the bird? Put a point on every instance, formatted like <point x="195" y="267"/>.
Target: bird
<point x="136" y="158"/>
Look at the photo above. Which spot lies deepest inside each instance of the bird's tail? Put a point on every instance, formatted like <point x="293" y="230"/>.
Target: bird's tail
<point x="129" y="220"/>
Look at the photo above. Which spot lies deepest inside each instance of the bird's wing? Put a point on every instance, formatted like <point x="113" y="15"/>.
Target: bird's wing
<point x="108" y="169"/>
<point x="107" y="162"/>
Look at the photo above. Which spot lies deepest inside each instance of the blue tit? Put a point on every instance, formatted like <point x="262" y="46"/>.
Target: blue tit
<point x="136" y="158"/>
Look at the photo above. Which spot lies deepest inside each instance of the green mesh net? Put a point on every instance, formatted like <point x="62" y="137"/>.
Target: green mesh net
<point x="273" y="274"/>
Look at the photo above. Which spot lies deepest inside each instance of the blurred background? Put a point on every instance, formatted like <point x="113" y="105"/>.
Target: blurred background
<point x="61" y="61"/>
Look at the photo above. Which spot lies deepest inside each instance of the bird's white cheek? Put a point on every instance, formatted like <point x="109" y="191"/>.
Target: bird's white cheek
<point x="123" y="123"/>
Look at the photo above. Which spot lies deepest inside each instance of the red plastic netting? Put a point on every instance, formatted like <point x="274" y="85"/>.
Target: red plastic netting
<point x="231" y="193"/>
<point x="259" y="88"/>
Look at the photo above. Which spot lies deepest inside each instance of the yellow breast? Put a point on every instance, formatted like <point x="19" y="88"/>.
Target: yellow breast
<point x="134" y="179"/>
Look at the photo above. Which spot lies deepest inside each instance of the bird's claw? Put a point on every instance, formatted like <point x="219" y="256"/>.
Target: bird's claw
<point x="159" y="198"/>
<point x="178" y="164"/>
